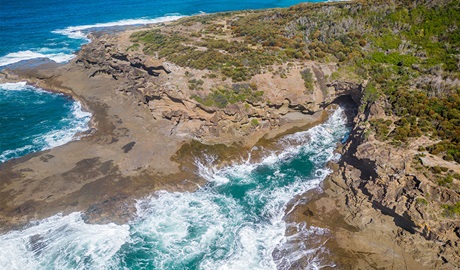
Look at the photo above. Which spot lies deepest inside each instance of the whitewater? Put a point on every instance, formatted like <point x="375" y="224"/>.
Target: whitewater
<point x="32" y="119"/>
<point x="236" y="221"/>
<point x="79" y="33"/>
<point x="56" y="31"/>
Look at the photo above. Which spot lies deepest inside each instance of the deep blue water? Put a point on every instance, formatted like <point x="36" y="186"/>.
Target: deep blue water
<point x="235" y="222"/>
<point x="32" y="120"/>
<point x="30" y="28"/>
<point x="56" y="30"/>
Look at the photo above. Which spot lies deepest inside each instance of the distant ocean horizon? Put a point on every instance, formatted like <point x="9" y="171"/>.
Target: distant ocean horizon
<point x="235" y="221"/>
<point x="55" y="30"/>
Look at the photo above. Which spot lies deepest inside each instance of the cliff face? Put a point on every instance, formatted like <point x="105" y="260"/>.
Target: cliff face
<point x="146" y="128"/>
<point x="272" y="104"/>
<point x="236" y="78"/>
<point x="382" y="208"/>
<point x="376" y="202"/>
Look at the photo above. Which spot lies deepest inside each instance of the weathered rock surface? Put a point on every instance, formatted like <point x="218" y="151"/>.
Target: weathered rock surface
<point x="382" y="211"/>
<point x="143" y="115"/>
<point x="163" y="87"/>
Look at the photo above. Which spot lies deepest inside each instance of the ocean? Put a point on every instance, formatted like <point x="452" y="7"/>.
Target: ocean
<point x="32" y="120"/>
<point x="236" y="221"/>
<point x="233" y="222"/>
<point x="32" y="29"/>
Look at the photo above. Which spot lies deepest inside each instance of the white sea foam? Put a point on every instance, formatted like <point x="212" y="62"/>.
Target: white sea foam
<point x="81" y="31"/>
<point x="21" y="86"/>
<point x="212" y="172"/>
<point x="65" y="54"/>
<point x="310" y="251"/>
<point x="217" y="229"/>
<point x="257" y="242"/>
<point x="180" y="227"/>
<point x="236" y="222"/>
<point x="76" y="122"/>
<point x="15" y="57"/>
<point x="13" y="86"/>
<point x="9" y="154"/>
<point x="62" y="242"/>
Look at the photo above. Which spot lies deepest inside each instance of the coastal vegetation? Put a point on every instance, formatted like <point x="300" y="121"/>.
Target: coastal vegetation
<point x="223" y="95"/>
<point x="406" y="54"/>
<point x="307" y="76"/>
<point x="451" y="210"/>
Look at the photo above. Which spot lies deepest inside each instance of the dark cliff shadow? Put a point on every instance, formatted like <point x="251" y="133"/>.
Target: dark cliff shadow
<point x="143" y="67"/>
<point x="138" y="63"/>
<point x="367" y="167"/>
<point x="349" y="106"/>
<point x="404" y="221"/>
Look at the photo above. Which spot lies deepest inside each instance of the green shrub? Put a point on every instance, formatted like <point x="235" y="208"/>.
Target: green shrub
<point x="451" y="210"/>
<point x="371" y="94"/>
<point x="436" y="169"/>
<point x="421" y="201"/>
<point x="223" y="95"/>
<point x="445" y="181"/>
<point x="398" y="47"/>
<point x="307" y="77"/>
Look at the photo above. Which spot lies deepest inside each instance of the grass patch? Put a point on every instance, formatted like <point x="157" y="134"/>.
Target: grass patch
<point x="451" y="210"/>
<point x="307" y="77"/>
<point x="223" y="95"/>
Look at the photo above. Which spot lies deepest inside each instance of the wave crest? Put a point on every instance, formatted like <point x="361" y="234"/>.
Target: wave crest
<point x="16" y="57"/>
<point x="80" y="32"/>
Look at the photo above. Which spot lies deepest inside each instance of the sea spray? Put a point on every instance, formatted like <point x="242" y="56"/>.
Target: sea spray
<point x="62" y="242"/>
<point x="11" y="58"/>
<point x="57" y="29"/>
<point x="58" y="50"/>
<point x="236" y="221"/>
<point x="32" y="120"/>
<point x="81" y="31"/>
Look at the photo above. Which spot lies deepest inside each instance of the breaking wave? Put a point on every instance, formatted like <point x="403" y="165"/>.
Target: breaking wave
<point x="236" y="221"/>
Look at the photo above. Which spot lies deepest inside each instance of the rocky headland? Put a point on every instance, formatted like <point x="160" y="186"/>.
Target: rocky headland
<point x="146" y="130"/>
<point x="220" y="84"/>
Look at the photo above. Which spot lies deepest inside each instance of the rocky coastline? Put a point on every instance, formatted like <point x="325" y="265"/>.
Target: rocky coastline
<point x="143" y="117"/>
<point x="371" y="205"/>
<point x="147" y="130"/>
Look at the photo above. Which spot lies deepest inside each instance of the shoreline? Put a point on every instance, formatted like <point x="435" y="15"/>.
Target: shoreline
<point x="148" y="131"/>
<point x="50" y="78"/>
<point x="61" y="91"/>
<point x="104" y="173"/>
<point x="102" y="200"/>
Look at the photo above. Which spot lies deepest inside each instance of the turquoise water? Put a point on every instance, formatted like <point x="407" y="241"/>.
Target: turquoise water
<point x="234" y="222"/>
<point x="56" y="30"/>
<point x="32" y="120"/>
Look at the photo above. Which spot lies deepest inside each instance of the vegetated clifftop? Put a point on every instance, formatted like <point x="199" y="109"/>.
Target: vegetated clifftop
<point x="393" y="200"/>
<point x="398" y="181"/>
<point x="152" y="117"/>
<point x="385" y="205"/>
<point x="205" y="105"/>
